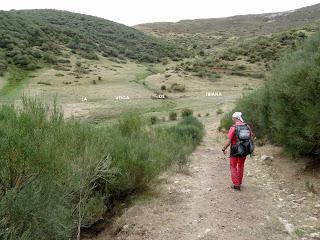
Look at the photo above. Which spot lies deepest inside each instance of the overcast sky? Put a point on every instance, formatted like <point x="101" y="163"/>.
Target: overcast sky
<point x="131" y="12"/>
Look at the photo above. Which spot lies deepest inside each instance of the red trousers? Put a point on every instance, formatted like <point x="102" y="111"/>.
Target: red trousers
<point x="236" y="169"/>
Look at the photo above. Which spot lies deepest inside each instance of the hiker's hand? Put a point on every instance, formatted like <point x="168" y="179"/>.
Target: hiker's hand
<point x="224" y="151"/>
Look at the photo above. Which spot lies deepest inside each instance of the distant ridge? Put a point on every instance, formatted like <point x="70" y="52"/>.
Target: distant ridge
<point x="257" y="24"/>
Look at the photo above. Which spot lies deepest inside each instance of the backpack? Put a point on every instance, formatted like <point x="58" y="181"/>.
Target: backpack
<point x="244" y="145"/>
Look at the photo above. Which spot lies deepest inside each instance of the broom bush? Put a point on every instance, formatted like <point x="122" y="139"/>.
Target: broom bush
<point x="58" y="176"/>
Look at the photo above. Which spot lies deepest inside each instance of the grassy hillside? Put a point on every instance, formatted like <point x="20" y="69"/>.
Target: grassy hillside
<point x="247" y="57"/>
<point x="245" y="25"/>
<point x="243" y="45"/>
<point x="286" y="109"/>
<point x="30" y="38"/>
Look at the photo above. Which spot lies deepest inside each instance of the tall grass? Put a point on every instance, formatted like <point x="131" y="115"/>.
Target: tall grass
<point x="57" y="176"/>
<point x="287" y="109"/>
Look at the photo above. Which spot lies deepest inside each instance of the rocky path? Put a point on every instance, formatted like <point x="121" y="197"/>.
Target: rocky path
<point x="199" y="203"/>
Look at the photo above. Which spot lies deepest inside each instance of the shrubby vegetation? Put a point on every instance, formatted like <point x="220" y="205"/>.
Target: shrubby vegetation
<point x="154" y="119"/>
<point x="266" y="48"/>
<point x="173" y="116"/>
<point x="286" y="110"/>
<point x="177" y="87"/>
<point x="203" y="67"/>
<point x="57" y="176"/>
<point x="188" y="128"/>
<point x="30" y="37"/>
<point x="261" y="50"/>
<point x="186" y="112"/>
<point x="219" y="111"/>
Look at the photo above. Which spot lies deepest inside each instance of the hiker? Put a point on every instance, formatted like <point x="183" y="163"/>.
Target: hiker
<point x="240" y="137"/>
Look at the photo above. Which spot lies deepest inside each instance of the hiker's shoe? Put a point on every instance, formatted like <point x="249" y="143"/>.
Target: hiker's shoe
<point x="236" y="187"/>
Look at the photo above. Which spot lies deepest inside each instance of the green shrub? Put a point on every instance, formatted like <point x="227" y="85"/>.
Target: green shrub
<point x="130" y="124"/>
<point x="3" y="67"/>
<point x="178" y="87"/>
<point x="89" y="55"/>
<point x="57" y="175"/>
<point x="50" y="58"/>
<point x="190" y="127"/>
<point x="214" y="76"/>
<point x="21" y="60"/>
<point x="173" y="116"/>
<point x="219" y="111"/>
<point x="201" y="73"/>
<point x="154" y="119"/>
<point x="32" y="66"/>
<point x="238" y="67"/>
<point x="186" y="112"/>
<point x="229" y="56"/>
<point x="190" y="120"/>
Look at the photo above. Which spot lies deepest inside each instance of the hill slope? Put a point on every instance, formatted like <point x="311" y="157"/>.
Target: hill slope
<point x="241" y="25"/>
<point x="29" y="36"/>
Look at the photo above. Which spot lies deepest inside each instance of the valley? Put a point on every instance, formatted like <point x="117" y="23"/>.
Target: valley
<point x="115" y="132"/>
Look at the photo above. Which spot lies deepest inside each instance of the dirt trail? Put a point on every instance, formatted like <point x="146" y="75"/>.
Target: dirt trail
<point x="201" y="204"/>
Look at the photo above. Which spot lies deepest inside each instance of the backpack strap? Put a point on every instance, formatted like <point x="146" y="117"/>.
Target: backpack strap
<point x="236" y="132"/>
